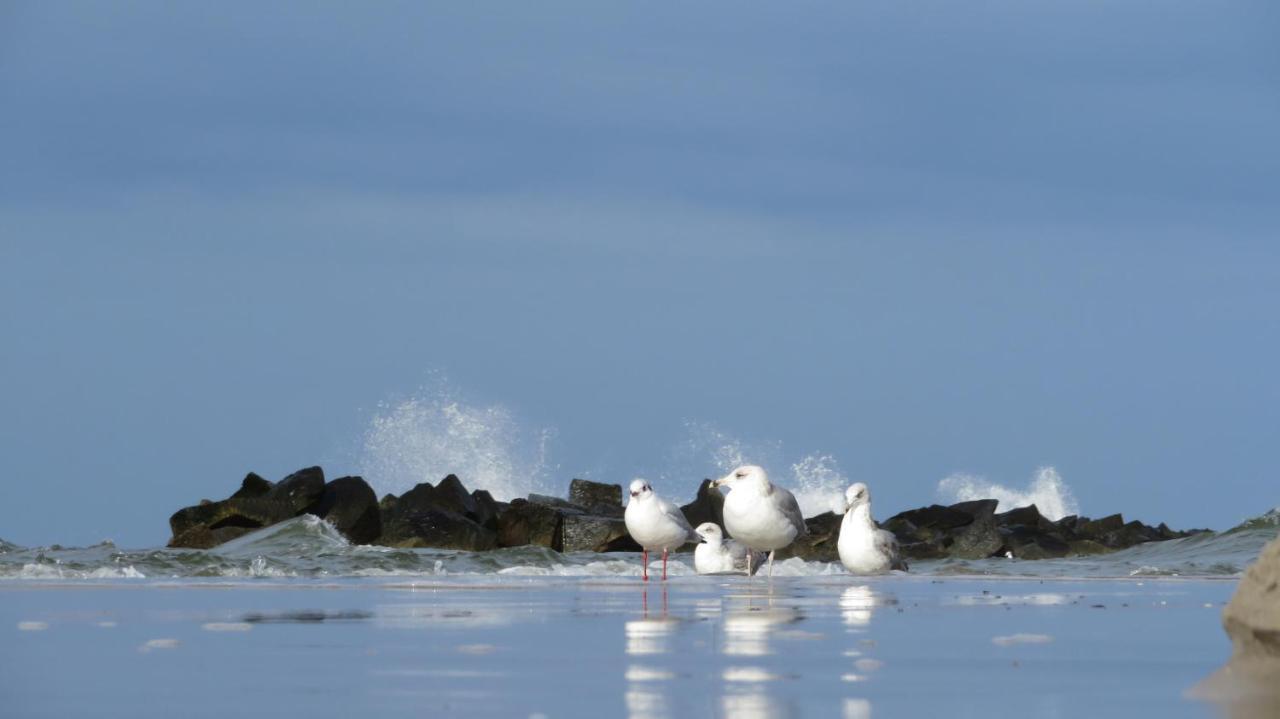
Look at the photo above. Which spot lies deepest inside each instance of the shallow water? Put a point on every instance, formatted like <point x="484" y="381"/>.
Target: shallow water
<point x="308" y="547"/>
<point x="552" y="646"/>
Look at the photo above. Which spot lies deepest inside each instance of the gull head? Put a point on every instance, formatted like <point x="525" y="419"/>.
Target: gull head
<point x="640" y="489"/>
<point x="709" y="533"/>
<point x="742" y="475"/>
<point x="856" y="495"/>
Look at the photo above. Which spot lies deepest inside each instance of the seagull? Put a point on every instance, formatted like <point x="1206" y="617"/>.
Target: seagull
<point x="864" y="548"/>
<point x="759" y="514"/>
<point x="655" y="524"/>
<point x="717" y="555"/>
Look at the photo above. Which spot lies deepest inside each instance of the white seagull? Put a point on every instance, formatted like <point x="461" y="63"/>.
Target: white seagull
<point x="717" y="555"/>
<point x="864" y="548"/>
<point x="655" y="524"/>
<point x="758" y="513"/>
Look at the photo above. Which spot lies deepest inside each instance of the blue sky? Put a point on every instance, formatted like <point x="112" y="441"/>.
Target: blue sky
<point x="922" y="240"/>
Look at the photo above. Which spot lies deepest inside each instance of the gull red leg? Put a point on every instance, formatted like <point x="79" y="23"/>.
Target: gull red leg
<point x="664" y="565"/>
<point x="644" y="569"/>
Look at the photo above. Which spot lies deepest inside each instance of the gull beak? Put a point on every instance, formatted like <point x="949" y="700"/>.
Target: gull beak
<point x="635" y="494"/>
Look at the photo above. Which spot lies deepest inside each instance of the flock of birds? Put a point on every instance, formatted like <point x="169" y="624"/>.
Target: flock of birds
<point x="762" y="518"/>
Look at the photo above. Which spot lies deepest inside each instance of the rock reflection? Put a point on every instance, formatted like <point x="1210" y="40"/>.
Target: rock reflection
<point x="645" y="703"/>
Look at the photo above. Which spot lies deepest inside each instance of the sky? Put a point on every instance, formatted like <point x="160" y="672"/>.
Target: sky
<point x="915" y="239"/>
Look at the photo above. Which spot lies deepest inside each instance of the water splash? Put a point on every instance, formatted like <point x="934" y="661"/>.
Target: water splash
<point x="1047" y="490"/>
<point x="815" y="478"/>
<point x="434" y="433"/>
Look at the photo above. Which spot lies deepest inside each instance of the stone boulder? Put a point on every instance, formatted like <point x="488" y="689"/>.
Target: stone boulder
<point x="253" y="486"/>
<point x="349" y="504"/>
<point x="596" y="497"/>
<point x="300" y="490"/>
<point x="592" y="533"/>
<point x="524" y="522"/>
<point x="707" y="506"/>
<point x="196" y="527"/>
<point x="819" y="545"/>
<point x="435" y="528"/>
<point x="487" y="509"/>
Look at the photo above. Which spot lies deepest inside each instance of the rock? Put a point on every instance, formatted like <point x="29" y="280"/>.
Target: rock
<point x="451" y="495"/>
<point x="1038" y="546"/>
<point x="1249" y="685"/>
<point x="707" y="506"/>
<point x="437" y="528"/>
<point x="1028" y="516"/>
<point x="977" y="508"/>
<point x="349" y="504"/>
<point x="933" y="524"/>
<point x="525" y="522"/>
<point x="820" y="543"/>
<point x="201" y="537"/>
<point x="596" y="497"/>
<point x="547" y="500"/>
<point x="1094" y="529"/>
<point x="388" y="502"/>
<point x="486" y="509"/>
<point x="253" y="486"/>
<point x="1086" y="547"/>
<point x="1132" y="533"/>
<point x="588" y="533"/>
<point x="244" y="513"/>
<point x="300" y="489"/>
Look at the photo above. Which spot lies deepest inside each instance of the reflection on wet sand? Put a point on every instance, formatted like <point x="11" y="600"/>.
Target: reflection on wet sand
<point x="648" y="636"/>
<point x="755" y="704"/>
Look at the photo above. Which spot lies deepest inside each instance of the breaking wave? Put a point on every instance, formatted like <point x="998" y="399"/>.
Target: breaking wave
<point x="307" y="548"/>
<point x="815" y="479"/>
<point x="1047" y="490"/>
<point x="434" y="433"/>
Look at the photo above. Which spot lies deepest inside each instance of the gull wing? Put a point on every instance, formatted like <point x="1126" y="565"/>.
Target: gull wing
<point x="886" y="543"/>
<point x="790" y="509"/>
<point x="673" y="512"/>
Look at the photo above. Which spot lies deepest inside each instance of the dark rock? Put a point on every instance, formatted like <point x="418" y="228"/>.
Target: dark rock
<point x="350" y="505"/>
<point x="547" y="500"/>
<point x="1132" y="533"/>
<point x="922" y="550"/>
<point x="1028" y="516"/>
<point x="486" y="514"/>
<point x="596" y="497"/>
<point x="977" y="508"/>
<point x="978" y="540"/>
<point x="388" y="502"/>
<point x="932" y="520"/>
<point x="245" y="513"/>
<point x="1094" y="529"/>
<point x="253" y="486"/>
<point x="588" y="533"/>
<point x="300" y="490"/>
<point x="436" y="528"/>
<point x="201" y="537"/>
<point x="1041" y="546"/>
<point x="451" y="495"/>
<point x="524" y="522"/>
<point x="707" y="506"/>
<point x="819" y="545"/>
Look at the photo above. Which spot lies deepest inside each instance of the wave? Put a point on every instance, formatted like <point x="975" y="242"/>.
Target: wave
<point x="434" y="433"/>
<point x="815" y="479"/>
<point x="1047" y="490"/>
<point x="1267" y="521"/>
<point x="310" y="548"/>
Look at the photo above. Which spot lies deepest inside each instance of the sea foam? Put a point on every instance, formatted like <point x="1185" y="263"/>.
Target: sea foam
<point x="1047" y="490"/>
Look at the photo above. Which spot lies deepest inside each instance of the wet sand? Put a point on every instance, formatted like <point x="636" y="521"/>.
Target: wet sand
<point x="565" y="647"/>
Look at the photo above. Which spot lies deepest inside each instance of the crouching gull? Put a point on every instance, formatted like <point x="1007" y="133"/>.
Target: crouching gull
<point x="655" y="524"/>
<point x="865" y="548"/>
<point x="717" y="555"/>
<point x="758" y="513"/>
